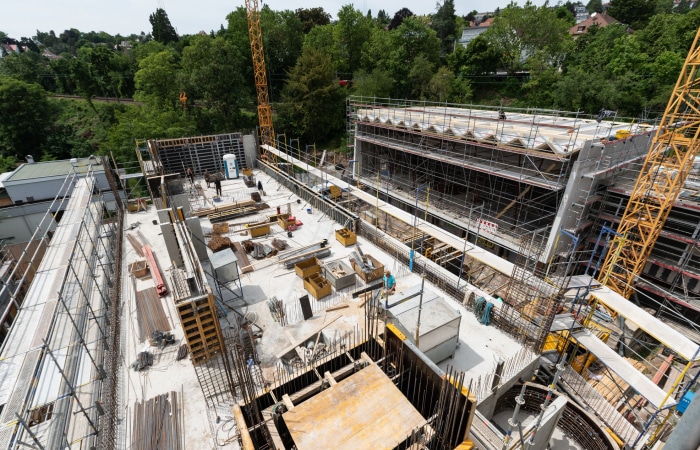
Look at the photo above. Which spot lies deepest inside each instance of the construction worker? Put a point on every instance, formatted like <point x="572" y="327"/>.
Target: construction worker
<point x="217" y="185"/>
<point x="207" y="177"/>
<point x="190" y="175"/>
<point x="389" y="282"/>
<point x="260" y="188"/>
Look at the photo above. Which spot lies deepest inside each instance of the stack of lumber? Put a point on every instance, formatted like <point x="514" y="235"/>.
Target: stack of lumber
<point x="242" y="257"/>
<point x="223" y="208"/>
<point x="611" y="386"/>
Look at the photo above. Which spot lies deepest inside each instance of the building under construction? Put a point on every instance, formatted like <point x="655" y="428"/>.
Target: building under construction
<point x="246" y="316"/>
<point x="494" y="176"/>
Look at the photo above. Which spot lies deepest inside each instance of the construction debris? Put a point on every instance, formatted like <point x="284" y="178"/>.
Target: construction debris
<point x="218" y="243"/>
<point x="337" y="307"/>
<point x="182" y="352"/>
<point x="248" y="246"/>
<point x="279" y="244"/>
<point x="143" y="361"/>
<point x="160" y="339"/>
<point x="276" y="307"/>
<point x="220" y="228"/>
<point x="261" y="251"/>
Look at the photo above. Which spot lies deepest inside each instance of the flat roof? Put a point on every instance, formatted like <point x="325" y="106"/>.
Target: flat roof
<point x="47" y="169"/>
<point x="560" y="135"/>
<point x="364" y="410"/>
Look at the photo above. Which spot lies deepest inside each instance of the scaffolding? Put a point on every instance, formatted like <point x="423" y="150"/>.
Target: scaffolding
<point x="56" y="389"/>
<point x="514" y="164"/>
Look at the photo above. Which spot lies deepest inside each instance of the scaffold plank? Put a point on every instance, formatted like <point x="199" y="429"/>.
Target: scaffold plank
<point x="689" y="350"/>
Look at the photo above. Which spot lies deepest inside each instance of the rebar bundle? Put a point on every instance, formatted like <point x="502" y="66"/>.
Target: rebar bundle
<point x="157" y="424"/>
<point x="150" y="314"/>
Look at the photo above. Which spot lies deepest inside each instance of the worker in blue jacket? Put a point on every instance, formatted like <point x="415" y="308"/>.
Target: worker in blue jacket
<point x="389" y="282"/>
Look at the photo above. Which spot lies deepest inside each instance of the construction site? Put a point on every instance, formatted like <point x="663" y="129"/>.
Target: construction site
<point x="466" y="278"/>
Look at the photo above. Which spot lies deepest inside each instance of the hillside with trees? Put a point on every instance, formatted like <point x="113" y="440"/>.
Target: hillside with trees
<point x="162" y="85"/>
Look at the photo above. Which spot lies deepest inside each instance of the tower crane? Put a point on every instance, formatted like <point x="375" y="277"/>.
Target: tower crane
<point x="267" y="131"/>
<point x="673" y="150"/>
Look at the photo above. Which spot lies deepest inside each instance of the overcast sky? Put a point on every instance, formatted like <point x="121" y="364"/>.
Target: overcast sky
<point x="20" y="18"/>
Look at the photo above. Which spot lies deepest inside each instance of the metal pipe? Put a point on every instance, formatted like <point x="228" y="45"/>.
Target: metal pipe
<point x="560" y="369"/>
<point x="420" y="309"/>
<point x="513" y="421"/>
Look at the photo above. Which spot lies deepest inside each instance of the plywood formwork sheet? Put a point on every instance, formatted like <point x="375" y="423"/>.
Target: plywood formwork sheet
<point x="364" y="410"/>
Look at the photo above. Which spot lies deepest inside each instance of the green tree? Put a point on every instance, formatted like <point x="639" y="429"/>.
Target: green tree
<point x="8" y="163"/>
<point x="412" y="41"/>
<point x="93" y="72"/>
<point x="26" y="117"/>
<point x="520" y="35"/>
<point x="212" y="72"/>
<point x="444" y="24"/>
<point x="311" y="17"/>
<point x="419" y="76"/>
<point x="322" y="39"/>
<point x="665" y="6"/>
<point x="682" y="7"/>
<point x="351" y="33"/>
<point x="444" y="86"/>
<point x="163" y="30"/>
<point x="68" y="42"/>
<point x="313" y="104"/>
<point x="156" y="80"/>
<point x="474" y="59"/>
<point x="382" y="18"/>
<point x="61" y="69"/>
<point x="635" y="13"/>
<point x="595" y="6"/>
<point x="375" y="52"/>
<point x="282" y="41"/>
<point x="135" y="122"/>
<point x="378" y="83"/>
<point x="28" y="66"/>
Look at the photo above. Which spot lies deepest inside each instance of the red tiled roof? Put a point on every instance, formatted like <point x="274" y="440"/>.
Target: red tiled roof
<point x="600" y="19"/>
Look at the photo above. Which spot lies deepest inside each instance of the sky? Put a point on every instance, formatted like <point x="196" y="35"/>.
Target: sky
<point x="21" y="18"/>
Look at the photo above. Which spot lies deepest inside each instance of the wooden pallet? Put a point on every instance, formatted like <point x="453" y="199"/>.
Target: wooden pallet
<point x="201" y="327"/>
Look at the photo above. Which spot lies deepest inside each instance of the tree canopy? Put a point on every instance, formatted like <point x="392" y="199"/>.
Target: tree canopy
<point x="204" y="83"/>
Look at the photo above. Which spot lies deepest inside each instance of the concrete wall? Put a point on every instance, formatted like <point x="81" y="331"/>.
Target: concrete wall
<point x="45" y="188"/>
<point x="250" y="148"/>
<point x="488" y="405"/>
<point x="18" y="223"/>
<point x="596" y="163"/>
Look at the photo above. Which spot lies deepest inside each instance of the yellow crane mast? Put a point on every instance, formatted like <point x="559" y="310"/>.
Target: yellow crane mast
<point x="666" y="166"/>
<point x="267" y="131"/>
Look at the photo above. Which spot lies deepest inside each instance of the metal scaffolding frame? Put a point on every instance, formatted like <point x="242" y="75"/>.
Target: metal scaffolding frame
<point x="57" y="375"/>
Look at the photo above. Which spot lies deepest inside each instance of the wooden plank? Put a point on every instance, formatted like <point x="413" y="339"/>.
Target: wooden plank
<point x="364" y="410"/>
<point x="287" y="402"/>
<point x="331" y="381"/>
<point x="337" y="307"/>
<point x="223" y="208"/>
